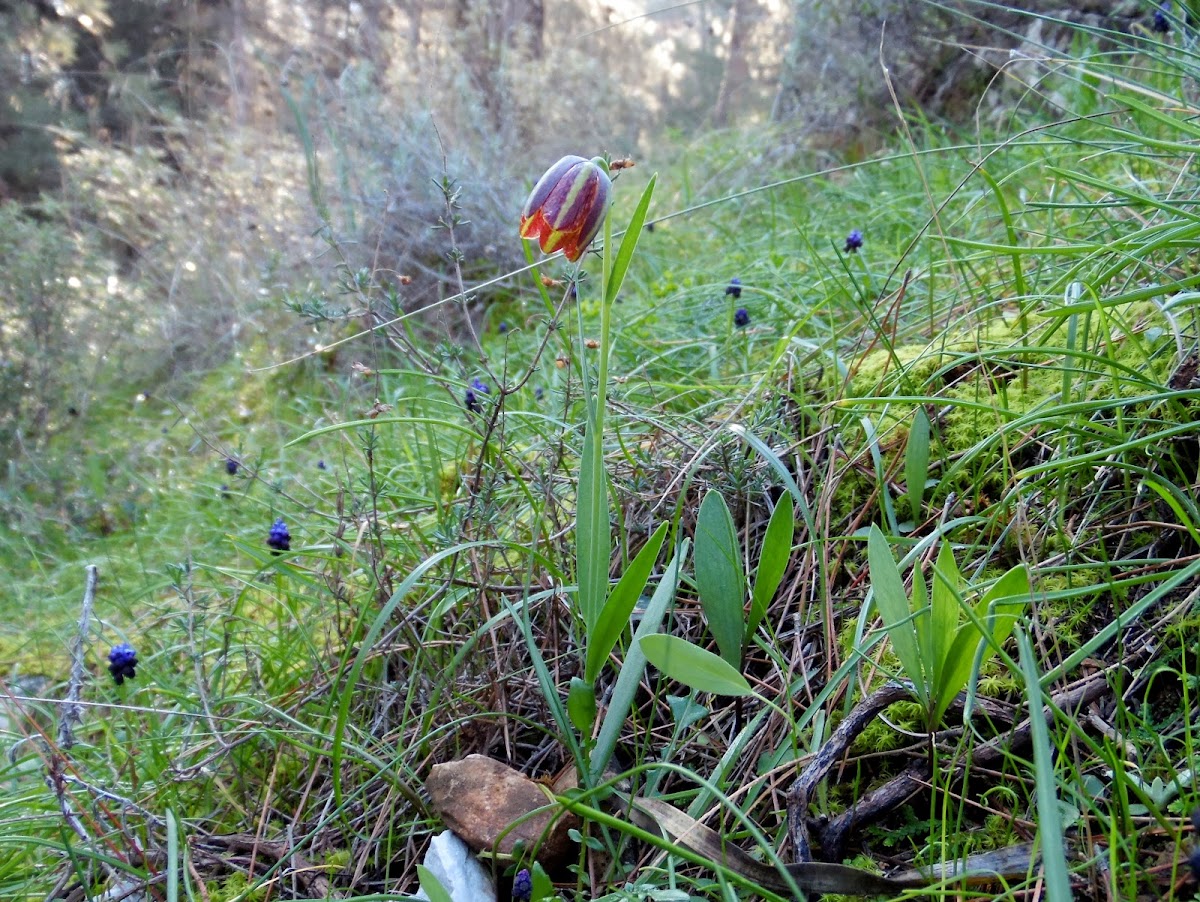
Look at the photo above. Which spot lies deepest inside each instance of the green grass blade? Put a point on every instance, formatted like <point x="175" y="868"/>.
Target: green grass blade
<point x="1010" y="229"/>
<point x="629" y="242"/>
<point x="772" y="563"/>
<point x="891" y="601"/>
<point x="720" y="579"/>
<point x="885" y="497"/>
<point x="630" y="676"/>
<point x="693" y="666"/>
<point x="1175" y="123"/>
<point x="1050" y="828"/>
<point x="781" y="471"/>
<point x="615" y="617"/>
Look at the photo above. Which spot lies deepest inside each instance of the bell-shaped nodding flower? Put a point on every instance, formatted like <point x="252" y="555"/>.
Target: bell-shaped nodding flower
<point x="567" y="206"/>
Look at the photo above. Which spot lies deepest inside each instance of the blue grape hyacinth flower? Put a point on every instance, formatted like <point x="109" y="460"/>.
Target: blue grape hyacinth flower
<point x="1161" y="23"/>
<point x="734" y="288"/>
<point x="122" y="661"/>
<point x="853" y="241"/>
<point x="522" y="890"/>
<point x="279" y="539"/>
<point x="471" y="397"/>
<point x="741" y="317"/>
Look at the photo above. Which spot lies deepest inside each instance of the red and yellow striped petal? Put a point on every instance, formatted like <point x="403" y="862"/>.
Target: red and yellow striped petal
<point x="567" y="207"/>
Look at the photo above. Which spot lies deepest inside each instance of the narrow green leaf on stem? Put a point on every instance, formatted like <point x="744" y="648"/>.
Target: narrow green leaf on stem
<point x="629" y="241"/>
<point x="720" y="579"/>
<point x="887" y="586"/>
<point x="916" y="464"/>
<point x="614" y="618"/>
<point x="630" y="677"/>
<point x="990" y="623"/>
<point x="693" y="666"/>
<point x="593" y="537"/>
<point x="772" y="563"/>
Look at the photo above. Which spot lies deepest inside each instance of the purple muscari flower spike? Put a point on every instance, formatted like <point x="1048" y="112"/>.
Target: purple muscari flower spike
<point x="279" y="539"/>
<point x="522" y="890"/>
<point x="853" y="241"/>
<point x="471" y="397"/>
<point x="1161" y="23"/>
<point x="741" y="317"/>
<point x="734" y="288"/>
<point x="121" y="663"/>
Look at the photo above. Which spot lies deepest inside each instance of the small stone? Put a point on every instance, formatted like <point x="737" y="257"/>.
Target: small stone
<point x="480" y="799"/>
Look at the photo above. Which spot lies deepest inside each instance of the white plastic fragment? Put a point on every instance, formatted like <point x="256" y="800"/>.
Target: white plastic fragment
<point x="459" y="872"/>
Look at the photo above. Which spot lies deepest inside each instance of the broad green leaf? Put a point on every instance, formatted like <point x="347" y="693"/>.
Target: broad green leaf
<point x="957" y="668"/>
<point x="776" y="552"/>
<point x="720" y="579"/>
<point x="916" y="464"/>
<point x="633" y="234"/>
<point x="581" y="706"/>
<point x="1008" y="597"/>
<point x="693" y="666"/>
<point x="432" y="886"/>
<point x="892" y="603"/>
<point x="945" y="613"/>
<point x="614" y="617"/>
<point x="593" y="538"/>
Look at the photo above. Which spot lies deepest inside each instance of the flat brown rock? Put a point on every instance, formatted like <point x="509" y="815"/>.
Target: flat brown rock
<point x="489" y="805"/>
